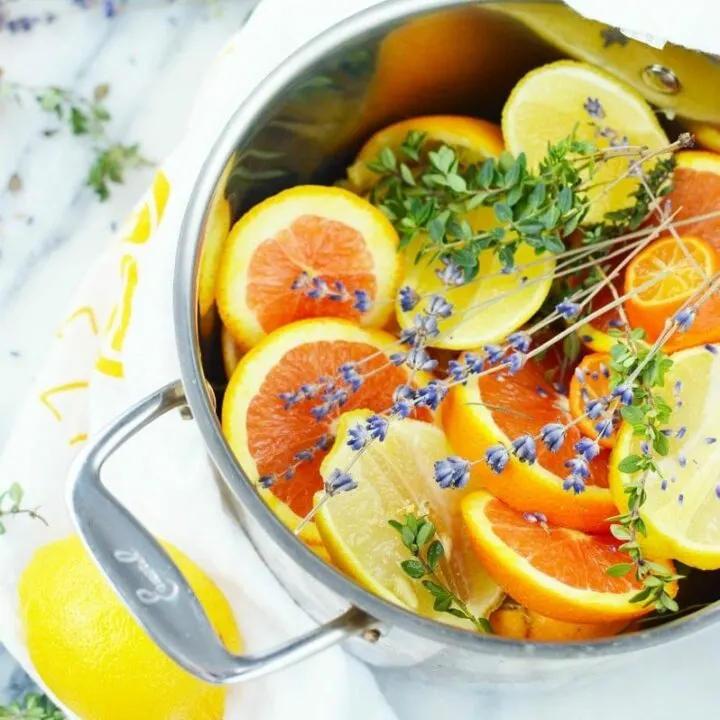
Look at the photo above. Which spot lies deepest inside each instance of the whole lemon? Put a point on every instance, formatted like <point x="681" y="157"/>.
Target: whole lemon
<point x="92" y="654"/>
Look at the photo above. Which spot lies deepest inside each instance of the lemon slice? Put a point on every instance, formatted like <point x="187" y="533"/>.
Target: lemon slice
<point x="395" y="477"/>
<point x="682" y="510"/>
<point x="486" y="309"/>
<point x="551" y="102"/>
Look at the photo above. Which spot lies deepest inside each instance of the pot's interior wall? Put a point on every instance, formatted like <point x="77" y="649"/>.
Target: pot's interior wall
<point x="463" y="60"/>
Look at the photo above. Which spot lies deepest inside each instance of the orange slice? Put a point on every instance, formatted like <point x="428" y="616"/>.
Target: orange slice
<point x="557" y="572"/>
<point x="590" y="381"/>
<point x="498" y="408"/>
<point x="521" y="623"/>
<point x="678" y="268"/>
<point x="303" y="235"/>
<point x="474" y="139"/>
<point x="266" y="437"/>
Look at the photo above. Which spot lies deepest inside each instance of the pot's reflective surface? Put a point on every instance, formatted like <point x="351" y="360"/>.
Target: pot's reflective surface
<point x="303" y="125"/>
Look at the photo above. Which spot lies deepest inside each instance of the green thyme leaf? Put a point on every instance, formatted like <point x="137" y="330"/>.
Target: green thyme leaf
<point x="413" y="568"/>
<point x="619" y="570"/>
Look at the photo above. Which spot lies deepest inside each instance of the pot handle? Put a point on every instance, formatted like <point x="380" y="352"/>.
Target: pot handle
<point x="150" y="584"/>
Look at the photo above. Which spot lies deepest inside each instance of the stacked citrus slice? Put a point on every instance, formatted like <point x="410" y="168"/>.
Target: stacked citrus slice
<point x="282" y="404"/>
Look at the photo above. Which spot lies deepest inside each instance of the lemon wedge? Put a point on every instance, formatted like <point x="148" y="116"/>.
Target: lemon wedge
<point x="682" y="509"/>
<point x="394" y="478"/>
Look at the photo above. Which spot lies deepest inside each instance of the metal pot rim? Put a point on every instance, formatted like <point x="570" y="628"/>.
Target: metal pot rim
<point x="186" y="332"/>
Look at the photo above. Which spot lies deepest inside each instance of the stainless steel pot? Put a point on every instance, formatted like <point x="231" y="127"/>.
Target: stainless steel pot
<point x="302" y="124"/>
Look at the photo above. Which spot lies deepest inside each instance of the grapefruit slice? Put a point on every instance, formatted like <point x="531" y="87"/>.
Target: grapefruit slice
<point x="266" y="437"/>
<point x="499" y="408"/>
<point x="395" y="477"/>
<point x="306" y="240"/>
<point x="557" y="572"/>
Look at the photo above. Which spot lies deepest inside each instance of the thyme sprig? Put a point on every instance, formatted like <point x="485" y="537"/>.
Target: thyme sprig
<point x="418" y="536"/>
<point x="648" y="414"/>
<point x="88" y="117"/>
<point x="11" y="504"/>
<point x="430" y="191"/>
<point x="32" y="707"/>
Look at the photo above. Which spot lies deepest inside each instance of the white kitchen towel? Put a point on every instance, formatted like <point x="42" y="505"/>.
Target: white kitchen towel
<point x="117" y="344"/>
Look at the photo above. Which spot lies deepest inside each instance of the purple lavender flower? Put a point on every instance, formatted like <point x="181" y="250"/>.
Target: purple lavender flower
<point x="338" y="292"/>
<point x="289" y="399"/>
<point x="439" y="307"/>
<point x="267" y="481"/>
<point x="457" y="371"/>
<point x="339" y="481"/>
<point x="624" y="393"/>
<point x="408" y="336"/>
<point x="578" y="465"/>
<point x="357" y="437"/>
<point x="398" y="358"/>
<point x="324" y="442"/>
<point x="403" y="399"/>
<point x="426" y="325"/>
<point x="377" y="427"/>
<point x="515" y="362"/>
<point x="685" y="318"/>
<point x="594" y="108"/>
<point x="301" y="281"/>
<point x="474" y="363"/>
<point x="520" y="341"/>
<point x="431" y="395"/>
<point x="524" y="449"/>
<point x="567" y="309"/>
<point x="574" y="483"/>
<point x="305" y="455"/>
<point x="362" y="301"/>
<point x="588" y="448"/>
<point x="595" y="408"/>
<point x="452" y="472"/>
<point x="680" y="434"/>
<point x="409" y="298"/>
<point x="497" y="458"/>
<point x="604" y="428"/>
<point x="318" y="290"/>
<point x="451" y="274"/>
<point x="418" y="359"/>
<point x="495" y="353"/>
<point x="553" y="436"/>
<point x="350" y="375"/>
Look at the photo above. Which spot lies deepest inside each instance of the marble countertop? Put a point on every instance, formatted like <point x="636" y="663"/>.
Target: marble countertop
<point x="153" y="56"/>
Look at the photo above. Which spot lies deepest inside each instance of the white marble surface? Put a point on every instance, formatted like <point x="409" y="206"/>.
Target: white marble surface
<point x="154" y="56"/>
